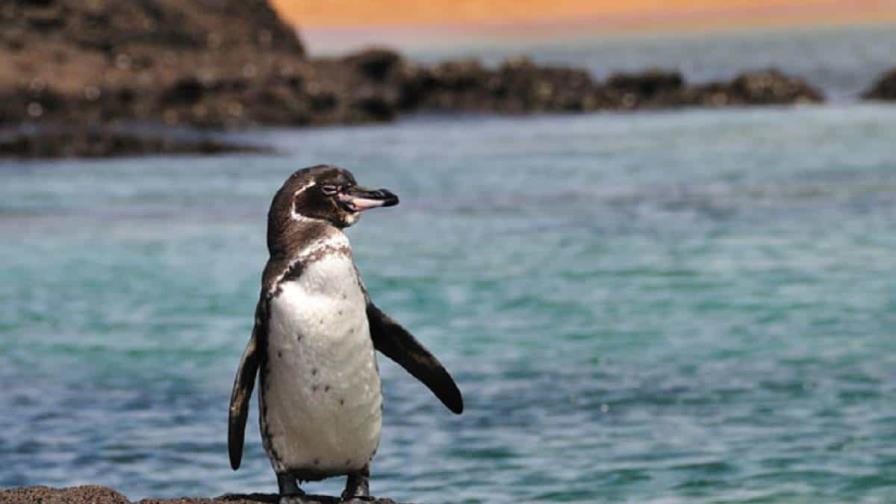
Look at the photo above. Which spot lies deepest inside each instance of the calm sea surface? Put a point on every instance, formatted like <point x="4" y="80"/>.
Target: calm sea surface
<point x="690" y="306"/>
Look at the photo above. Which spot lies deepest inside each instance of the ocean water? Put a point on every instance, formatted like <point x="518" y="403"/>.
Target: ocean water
<point x="688" y="306"/>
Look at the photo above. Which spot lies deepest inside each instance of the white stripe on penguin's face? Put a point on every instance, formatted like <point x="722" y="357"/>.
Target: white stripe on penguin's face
<point x="295" y="214"/>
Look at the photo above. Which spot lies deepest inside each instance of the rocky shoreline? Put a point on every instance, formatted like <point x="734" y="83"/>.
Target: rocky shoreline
<point x="98" y="142"/>
<point x="92" y="66"/>
<point x="884" y="88"/>
<point x="93" y="494"/>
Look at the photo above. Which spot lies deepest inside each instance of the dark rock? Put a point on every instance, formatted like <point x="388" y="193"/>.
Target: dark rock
<point x="884" y="88"/>
<point x="773" y="87"/>
<point x="103" y="495"/>
<point x="187" y="90"/>
<point x="663" y="89"/>
<point x="107" y="142"/>
<point x="186" y="24"/>
<point x="650" y="89"/>
<point x="768" y="87"/>
<point x="524" y="86"/>
<point x="376" y="107"/>
<point x="171" y="61"/>
<point x="647" y="84"/>
<point x="74" y="495"/>
<point x="516" y="86"/>
<point x="376" y="64"/>
<point x="234" y="64"/>
<point x="323" y="102"/>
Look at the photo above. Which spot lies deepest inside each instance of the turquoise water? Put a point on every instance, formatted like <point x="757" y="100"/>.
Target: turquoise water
<point x="690" y="306"/>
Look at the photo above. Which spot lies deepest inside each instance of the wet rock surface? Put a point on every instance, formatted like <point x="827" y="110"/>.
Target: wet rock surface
<point x="233" y="64"/>
<point x="92" y="494"/>
<point x="884" y="88"/>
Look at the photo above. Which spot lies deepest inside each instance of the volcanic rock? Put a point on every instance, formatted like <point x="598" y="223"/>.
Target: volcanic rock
<point x="103" y="495"/>
<point x="884" y="88"/>
<point x="766" y="87"/>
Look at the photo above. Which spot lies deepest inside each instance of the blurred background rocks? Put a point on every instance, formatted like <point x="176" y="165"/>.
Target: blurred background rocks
<point x="223" y="64"/>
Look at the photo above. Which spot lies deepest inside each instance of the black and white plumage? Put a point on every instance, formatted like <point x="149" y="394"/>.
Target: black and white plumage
<point x="314" y="338"/>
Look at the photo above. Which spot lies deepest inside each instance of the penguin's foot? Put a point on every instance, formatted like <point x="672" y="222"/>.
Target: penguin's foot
<point x="357" y="486"/>
<point x="290" y="493"/>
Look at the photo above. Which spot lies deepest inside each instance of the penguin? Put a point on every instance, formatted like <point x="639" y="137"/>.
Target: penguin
<point x="314" y="341"/>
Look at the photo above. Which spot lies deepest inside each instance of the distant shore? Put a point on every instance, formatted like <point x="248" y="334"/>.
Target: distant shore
<point x="73" y="76"/>
<point x="92" y="494"/>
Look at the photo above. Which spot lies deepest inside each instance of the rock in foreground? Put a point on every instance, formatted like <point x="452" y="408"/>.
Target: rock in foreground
<point x="103" y="495"/>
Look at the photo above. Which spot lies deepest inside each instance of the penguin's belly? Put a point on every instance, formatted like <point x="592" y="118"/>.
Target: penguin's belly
<point x="321" y="399"/>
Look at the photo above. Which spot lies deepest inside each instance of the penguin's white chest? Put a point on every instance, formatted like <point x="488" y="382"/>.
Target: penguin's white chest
<point x="321" y="399"/>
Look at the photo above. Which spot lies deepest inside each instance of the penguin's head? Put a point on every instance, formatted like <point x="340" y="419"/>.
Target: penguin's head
<point x="329" y="193"/>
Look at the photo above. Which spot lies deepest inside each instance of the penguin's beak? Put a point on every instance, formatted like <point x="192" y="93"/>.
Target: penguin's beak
<point x="358" y="199"/>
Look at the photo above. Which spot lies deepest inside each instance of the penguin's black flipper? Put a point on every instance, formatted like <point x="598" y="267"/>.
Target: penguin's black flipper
<point x="244" y="383"/>
<point x="396" y="343"/>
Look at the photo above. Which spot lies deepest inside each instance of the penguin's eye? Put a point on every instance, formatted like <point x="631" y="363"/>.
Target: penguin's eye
<point x="329" y="190"/>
